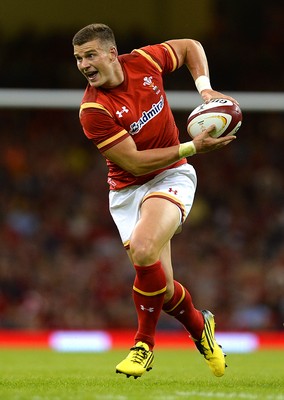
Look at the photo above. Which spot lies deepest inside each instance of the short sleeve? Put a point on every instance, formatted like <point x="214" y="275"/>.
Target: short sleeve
<point x="101" y="128"/>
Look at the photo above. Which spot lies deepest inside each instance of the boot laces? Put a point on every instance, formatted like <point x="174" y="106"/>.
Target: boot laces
<point x="139" y="354"/>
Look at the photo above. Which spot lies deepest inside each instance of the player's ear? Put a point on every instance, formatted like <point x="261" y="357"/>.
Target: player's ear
<point x="113" y="53"/>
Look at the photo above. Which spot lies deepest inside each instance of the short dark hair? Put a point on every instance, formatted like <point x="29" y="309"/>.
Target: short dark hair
<point x="92" y="32"/>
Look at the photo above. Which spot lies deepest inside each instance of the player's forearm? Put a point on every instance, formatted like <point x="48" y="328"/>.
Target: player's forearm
<point x="148" y="161"/>
<point x="191" y="53"/>
<point x="141" y="162"/>
<point x="196" y="60"/>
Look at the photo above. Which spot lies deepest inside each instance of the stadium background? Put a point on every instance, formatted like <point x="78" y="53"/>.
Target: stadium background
<point x="62" y="265"/>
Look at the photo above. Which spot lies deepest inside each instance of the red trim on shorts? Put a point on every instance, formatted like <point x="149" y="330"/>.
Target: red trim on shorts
<point x="166" y="196"/>
<point x="127" y="245"/>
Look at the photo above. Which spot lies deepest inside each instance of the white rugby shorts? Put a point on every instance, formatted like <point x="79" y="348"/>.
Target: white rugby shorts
<point x="177" y="185"/>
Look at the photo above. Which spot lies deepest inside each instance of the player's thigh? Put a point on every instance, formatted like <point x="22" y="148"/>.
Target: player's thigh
<point x="158" y="223"/>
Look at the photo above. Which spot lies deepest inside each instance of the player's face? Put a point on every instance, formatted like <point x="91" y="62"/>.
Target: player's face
<point x="96" y="62"/>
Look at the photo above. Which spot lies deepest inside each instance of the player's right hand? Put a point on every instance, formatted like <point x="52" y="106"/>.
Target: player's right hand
<point x="204" y="142"/>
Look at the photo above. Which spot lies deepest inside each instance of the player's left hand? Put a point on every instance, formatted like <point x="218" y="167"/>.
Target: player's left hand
<point x="209" y="94"/>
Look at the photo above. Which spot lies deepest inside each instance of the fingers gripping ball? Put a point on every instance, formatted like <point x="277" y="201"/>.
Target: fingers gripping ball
<point x="223" y="113"/>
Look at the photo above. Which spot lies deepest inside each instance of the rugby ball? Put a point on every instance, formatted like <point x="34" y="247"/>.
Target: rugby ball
<point x="223" y="113"/>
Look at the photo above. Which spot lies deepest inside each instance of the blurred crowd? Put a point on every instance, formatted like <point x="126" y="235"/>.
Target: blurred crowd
<point x="62" y="264"/>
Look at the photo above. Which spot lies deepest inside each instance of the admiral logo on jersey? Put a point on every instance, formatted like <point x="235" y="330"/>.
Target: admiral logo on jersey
<point x="147" y="116"/>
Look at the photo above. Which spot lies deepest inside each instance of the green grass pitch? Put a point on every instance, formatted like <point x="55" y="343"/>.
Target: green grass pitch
<point x="177" y="375"/>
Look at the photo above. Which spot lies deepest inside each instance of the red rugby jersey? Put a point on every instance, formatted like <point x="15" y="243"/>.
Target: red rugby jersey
<point x="138" y="107"/>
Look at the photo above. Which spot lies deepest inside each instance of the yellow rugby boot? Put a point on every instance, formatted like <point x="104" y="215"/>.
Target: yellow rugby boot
<point x="139" y="360"/>
<point x="209" y="348"/>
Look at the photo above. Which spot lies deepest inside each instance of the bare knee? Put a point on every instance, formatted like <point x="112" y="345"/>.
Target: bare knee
<point x="143" y="252"/>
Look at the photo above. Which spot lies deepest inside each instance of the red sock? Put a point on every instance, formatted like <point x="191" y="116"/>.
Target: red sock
<point x="181" y="307"/>
<point x="148" y="294"/>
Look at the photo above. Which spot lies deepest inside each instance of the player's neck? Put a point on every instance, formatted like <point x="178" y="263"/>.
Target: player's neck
<point x="117" y="77"/>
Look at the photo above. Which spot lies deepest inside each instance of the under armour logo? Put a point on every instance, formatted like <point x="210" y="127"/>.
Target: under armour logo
<point x="173" y="191"/>
<point x="123" y="110"/>
<point x="150" y="309"/>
